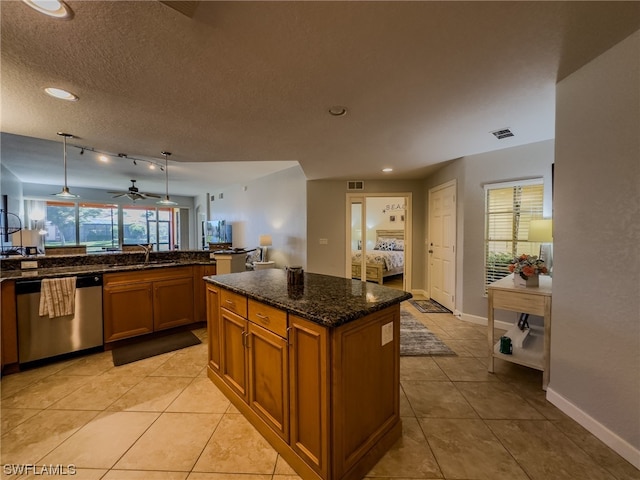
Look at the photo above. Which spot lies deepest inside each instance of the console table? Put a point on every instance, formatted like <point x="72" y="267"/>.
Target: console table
<point x="534" y="353"/>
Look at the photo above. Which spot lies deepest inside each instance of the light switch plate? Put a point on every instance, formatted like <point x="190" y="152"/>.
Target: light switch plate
<point x="28" y="264"/>
<point x="387" y="333"/>
<point x="324" y="241"/>
<point x="212" y="256"/>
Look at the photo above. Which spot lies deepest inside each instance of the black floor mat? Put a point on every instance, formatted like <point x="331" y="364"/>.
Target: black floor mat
<point x="150" y="348"/>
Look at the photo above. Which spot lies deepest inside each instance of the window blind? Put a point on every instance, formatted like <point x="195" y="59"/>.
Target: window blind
<point x="509" y="208"/>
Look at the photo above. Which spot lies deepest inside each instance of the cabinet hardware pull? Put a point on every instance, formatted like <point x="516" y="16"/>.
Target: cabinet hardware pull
<point x="262" y="317"/>
<point x="229" y="302"/>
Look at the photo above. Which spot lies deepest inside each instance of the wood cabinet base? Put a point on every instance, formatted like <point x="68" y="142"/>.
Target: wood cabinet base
<point x="357" y="471"/>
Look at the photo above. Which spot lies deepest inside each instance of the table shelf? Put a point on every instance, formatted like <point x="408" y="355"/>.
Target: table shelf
<point x="535" y="351"/>
<point x="531" y="354"/>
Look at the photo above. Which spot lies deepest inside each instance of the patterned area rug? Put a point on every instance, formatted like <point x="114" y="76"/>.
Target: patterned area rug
<point x="429" y="306"/>
<point x="416" y="339"/>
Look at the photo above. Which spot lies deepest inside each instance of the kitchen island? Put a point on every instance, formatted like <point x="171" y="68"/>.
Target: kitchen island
<point x="314" y="367"/>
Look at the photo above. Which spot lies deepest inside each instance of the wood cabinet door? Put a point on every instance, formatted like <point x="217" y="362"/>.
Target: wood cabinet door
<point x="9" y="323"/>
<point x="172" y="302"/>
<point x="269" y="378"/>
<point x="127" y="309"/>
<point x="233" y="358"/>
<point x="199" y="290"/>
<point x="309" y="392"/>
<point x="213" y="326"/>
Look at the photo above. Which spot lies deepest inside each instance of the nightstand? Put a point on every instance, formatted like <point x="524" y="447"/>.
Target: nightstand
<point x="264" y="265"/>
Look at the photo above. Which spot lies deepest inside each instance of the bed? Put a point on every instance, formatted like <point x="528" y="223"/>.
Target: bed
<point x="385" y="260"/>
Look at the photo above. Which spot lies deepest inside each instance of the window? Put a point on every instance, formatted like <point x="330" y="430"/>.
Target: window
<point x="147" y="225"/>
<point x="509" y="208"/>
<point x="105" y="227"/>
<point x="60" y="224"/>
<point x="98" y="226"/>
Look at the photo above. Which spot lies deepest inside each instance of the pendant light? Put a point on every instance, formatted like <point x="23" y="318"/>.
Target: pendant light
<point x="166" y="200"/>
<point x="65" y="193"/>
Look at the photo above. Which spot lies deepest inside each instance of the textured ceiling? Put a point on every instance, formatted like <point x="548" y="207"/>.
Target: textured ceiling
<point x="235" y="82"/>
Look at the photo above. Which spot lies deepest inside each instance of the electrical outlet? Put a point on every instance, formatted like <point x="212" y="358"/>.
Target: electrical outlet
<point x="28" y="264"/>
<point x="387" y="333"/>
<point x="324" y="241"/>
<point x="212" y="256"/>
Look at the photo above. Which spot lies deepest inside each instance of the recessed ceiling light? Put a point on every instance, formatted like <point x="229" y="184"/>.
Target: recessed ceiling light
<point x="387" y="170"/>
<point x="53" y="8"/>
<point x="103" y="158"/>
<point x="61" y="94"/>
<point x="338" y="110"/>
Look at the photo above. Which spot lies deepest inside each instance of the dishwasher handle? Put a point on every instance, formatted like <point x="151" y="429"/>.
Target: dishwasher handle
<point x="34" y="286"/>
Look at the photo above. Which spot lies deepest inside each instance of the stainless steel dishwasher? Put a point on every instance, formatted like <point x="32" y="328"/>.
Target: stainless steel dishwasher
<point x="44" y="337"/>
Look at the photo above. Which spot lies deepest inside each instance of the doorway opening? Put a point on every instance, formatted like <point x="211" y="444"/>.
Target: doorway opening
<point x="378" y="239"/>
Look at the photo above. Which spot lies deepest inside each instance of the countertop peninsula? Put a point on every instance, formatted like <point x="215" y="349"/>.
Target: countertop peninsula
<point x="327" y="300"/>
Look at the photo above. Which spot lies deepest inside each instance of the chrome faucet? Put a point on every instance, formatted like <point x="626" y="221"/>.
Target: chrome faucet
<point x="147" y="250"/>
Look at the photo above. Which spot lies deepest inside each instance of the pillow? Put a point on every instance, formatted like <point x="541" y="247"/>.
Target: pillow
<point x="398" y="245"/>
<point x="254" y="256"/>
<point x="385" y="244"/>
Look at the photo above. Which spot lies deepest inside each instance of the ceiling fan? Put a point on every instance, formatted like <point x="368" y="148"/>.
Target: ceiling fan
<point x="134" y="194"/>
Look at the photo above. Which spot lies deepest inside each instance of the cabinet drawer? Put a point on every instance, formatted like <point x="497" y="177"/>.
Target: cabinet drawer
<point x="270" y="318"/>
<point x="519" y="302"/>
<point x="234" y="302"/>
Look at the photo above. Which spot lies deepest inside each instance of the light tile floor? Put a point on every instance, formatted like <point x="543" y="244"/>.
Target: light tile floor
<point x="161" y="418"/>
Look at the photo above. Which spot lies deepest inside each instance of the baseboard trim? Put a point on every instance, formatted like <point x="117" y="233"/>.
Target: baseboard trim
<point x="420" y="292"/>
<point x="609" y="438"/>
<point x="466" y="317"/>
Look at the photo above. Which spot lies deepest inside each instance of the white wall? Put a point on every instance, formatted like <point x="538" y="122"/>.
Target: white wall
<point x="12" y="188"/>
<point x="274" y="204"/>
<point x="595" y="337"/>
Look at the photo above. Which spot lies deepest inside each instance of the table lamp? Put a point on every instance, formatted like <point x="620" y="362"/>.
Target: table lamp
<point x="265" y="241"/>
<point x="542" y="231"/>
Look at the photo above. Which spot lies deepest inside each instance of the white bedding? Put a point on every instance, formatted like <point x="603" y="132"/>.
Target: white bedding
<point x="391" y="259"/>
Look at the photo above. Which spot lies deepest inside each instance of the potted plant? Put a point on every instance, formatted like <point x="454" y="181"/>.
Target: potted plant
<point x="526" y="269"/>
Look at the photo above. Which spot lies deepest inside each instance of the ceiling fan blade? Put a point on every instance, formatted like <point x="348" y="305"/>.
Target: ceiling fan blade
<point x="120" y="194"/>
<point x="152" y="195"/>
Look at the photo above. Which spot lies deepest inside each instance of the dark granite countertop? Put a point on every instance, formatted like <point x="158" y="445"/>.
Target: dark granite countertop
<point x="327" y="300"/>
<point x="68" y="265"/>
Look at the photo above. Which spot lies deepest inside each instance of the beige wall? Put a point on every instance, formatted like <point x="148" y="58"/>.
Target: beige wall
<point x="595" y="338"/>
<point x="326" y="200"/>
<point x="471" y="174"/>
<point x="274" y="204"/>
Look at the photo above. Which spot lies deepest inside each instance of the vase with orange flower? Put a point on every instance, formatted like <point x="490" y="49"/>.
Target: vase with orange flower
<point x="526" y="270"/>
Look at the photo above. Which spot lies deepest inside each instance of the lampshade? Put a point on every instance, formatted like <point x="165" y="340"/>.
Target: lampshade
<point x="541" y="231"/>
<point x="26" y="238"/>
<point x="265" y="240"/>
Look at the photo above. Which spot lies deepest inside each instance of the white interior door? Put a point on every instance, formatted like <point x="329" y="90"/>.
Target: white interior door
<point x="442" y="244"/>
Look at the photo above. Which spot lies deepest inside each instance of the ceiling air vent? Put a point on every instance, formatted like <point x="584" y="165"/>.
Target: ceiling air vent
<point x="355" y="185"/>
<point x="504" y="133"/>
